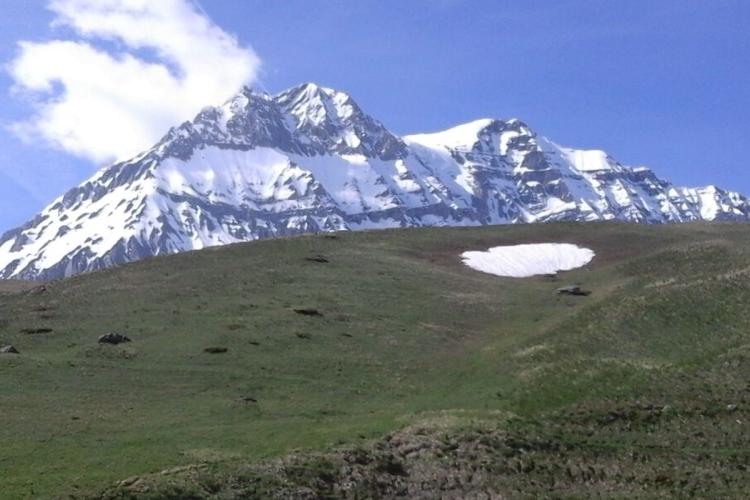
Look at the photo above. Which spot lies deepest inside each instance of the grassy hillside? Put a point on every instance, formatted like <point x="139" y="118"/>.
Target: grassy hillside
<point x="638" y="389"/>
<point x="14" y="286"/>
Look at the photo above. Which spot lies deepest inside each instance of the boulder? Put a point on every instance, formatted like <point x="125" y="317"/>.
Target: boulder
<point x="8" y="349"/>
<point x="573" y="290"/>
<point x="113" y="338"/>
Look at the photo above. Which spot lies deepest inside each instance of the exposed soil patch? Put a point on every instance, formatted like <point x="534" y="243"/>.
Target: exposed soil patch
<point x="215" y="350"/>
<point x="36" y="331"/>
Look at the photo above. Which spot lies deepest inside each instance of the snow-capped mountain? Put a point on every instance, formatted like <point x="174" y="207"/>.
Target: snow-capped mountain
<point x="308" y="160"/>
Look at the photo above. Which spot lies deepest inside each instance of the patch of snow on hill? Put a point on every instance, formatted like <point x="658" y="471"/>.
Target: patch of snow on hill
<point x="523" y="261"/>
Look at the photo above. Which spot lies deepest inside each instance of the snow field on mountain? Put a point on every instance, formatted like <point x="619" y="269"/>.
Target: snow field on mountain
<point x="310" y="160"/>
<point x="523" y="261"/>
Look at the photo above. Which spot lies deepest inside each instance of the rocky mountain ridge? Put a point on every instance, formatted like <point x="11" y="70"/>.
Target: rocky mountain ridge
<point x="311" y="160"/>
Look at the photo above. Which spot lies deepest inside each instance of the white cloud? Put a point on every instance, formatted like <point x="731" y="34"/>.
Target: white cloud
<point x="165" y="61"/>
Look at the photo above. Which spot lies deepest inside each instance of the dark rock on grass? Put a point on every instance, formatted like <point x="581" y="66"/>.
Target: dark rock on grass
<point x="318" y="258"/>
<point x="113" y="338"/>
<point x="36" y="331"/>
<point x="574" y="290"/>
<point x="308" y="312"/>
<point x="305" y="336"/>
<point x="8" y="349"/>
<point x="215" y="350"/>
<point x="248" y="399"/>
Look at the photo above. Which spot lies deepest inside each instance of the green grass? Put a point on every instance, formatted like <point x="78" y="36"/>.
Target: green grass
<point x="406" y="331"/>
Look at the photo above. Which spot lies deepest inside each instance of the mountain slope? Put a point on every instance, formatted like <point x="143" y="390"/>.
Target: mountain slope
<point x="639" y="390"/>
<point x="310" y="160"/>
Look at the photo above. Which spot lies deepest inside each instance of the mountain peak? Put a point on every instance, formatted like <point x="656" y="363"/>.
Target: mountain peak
<point x="309" y="90"/>
<point x="317" y="106"/>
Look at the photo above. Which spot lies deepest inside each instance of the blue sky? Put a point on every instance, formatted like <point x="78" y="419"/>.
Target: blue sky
<point x="663" y="84"/>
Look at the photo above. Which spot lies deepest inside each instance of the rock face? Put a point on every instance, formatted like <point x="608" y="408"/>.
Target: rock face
<point x="113" y="338"/>
<point x="310" y="160"/>
<point x="8" y="349"/>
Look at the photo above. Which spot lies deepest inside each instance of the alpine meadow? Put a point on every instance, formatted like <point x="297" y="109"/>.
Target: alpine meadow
<point x="448" y="275"/>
